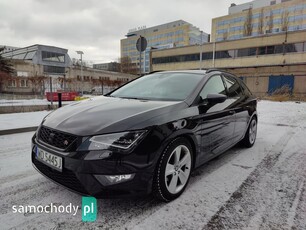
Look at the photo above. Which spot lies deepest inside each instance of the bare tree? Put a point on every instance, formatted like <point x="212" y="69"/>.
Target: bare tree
<point x="248" y="26"/>
<point x="6" y="70"/>
<point x="270" y="23"/>
<point x="4" y="79"/>
<point x="127" y="66"/>
<point x="261" y="22"/>
<point x="37" y="83"/>
<point x="285" y="21"/>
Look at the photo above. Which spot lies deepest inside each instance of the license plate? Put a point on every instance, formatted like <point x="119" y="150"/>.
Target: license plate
<point x="49" y="159"/>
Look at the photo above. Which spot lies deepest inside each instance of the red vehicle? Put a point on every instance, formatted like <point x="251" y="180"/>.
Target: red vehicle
<point x="66" y="96"/>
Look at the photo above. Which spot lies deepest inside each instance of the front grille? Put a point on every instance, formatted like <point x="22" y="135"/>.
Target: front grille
<point x="56" y="138"/>
<point x="66" y="178"/>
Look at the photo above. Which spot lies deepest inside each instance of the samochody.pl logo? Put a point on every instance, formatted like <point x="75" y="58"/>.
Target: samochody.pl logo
<point x="89" y="209"/>
<point x="50" y="208"/>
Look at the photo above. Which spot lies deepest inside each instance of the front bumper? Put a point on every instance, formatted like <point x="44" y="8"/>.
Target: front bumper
<point x="78" y="174"/>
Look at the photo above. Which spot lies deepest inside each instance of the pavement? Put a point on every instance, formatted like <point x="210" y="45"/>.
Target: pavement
<point x="12" y="123"/>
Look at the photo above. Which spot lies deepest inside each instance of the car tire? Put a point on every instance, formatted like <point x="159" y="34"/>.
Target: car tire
<point x="173" y="170"/>
<point x="250" y="136"/>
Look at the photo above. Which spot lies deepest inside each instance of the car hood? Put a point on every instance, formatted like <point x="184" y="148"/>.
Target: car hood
<point x="101" y="115"/>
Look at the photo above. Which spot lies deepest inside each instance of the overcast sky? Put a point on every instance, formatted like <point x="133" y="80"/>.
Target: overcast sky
<point x="96" y="26"/>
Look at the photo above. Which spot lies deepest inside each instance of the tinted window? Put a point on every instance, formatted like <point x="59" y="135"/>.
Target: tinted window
<point x="279" y="49"/>
<point x="213" y="86"/>
<point x="270" y="49"/>
<point x="246" y="52"/>
<point x="262" y="50"/>
<point x="233" y="87"/>
<point x="50" y="56"/>
<point x="160" y="86"/>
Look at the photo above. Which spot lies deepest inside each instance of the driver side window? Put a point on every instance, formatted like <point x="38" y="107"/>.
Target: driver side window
<point x="213" y="86"/>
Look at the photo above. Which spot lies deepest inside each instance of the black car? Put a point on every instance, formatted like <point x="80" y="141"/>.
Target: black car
<point x="146" y="136"/>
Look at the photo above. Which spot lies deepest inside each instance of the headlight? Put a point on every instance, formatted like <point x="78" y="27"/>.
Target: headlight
<point x="124" y="140"/>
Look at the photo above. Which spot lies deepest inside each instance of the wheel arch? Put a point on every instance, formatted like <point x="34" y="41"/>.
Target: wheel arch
<point x="193" y="146"/>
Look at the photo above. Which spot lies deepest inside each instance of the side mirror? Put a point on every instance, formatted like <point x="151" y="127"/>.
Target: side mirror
<point x="216" y="98"/>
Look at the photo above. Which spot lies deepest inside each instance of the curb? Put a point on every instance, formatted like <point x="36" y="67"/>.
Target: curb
<point x="18" y="130"/>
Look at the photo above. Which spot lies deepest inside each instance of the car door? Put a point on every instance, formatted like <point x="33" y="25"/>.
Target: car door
<point x="217" y="121"/>
<point x="237" y="98"/>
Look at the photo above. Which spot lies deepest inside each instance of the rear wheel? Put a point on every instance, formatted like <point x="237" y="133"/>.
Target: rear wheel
<point x="173" y="170"/>
<point x="250" y="136"/>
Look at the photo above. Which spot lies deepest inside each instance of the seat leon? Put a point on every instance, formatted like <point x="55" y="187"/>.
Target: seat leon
<point x="146" y="136"/>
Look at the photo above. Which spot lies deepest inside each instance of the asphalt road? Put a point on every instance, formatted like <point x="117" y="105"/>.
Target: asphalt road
<point x="263" y="187"/>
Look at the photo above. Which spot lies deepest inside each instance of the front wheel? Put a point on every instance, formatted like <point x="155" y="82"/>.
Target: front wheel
<point x="250" y="136"/>
<point x="173" y="170"/>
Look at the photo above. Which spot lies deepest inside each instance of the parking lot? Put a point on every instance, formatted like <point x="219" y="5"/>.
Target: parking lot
<point x="261" y="187"/>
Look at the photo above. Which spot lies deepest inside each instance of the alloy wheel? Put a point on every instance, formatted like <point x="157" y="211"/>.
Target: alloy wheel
<point x="178" y="169"/>
<point x="252" y="131"/>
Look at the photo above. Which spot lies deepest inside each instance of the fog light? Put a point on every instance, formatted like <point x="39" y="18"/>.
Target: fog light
<point x="114" y="179"/>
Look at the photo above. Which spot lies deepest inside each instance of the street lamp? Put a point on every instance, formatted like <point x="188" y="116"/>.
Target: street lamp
<point x="81" y="53"/>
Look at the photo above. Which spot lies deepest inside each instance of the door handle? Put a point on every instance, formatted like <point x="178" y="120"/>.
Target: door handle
<point x="232" y="112"/>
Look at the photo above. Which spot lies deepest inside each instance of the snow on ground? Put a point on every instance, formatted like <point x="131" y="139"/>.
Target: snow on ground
<point x="263" y="187"/>
<point x="26" y="102"/>
<point x="21" y="120"/>
<point x="4" y="102"/>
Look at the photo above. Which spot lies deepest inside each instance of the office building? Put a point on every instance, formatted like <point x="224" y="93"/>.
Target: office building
<point x="259" y="17"/>
<point x="38" y="65"/>
<point x="264" y="62"/>
<point x="110" y="66"/>
<point x="174" y="34"/>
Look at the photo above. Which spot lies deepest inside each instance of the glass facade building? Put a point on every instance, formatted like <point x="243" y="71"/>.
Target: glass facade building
<point x="235" y="53"/>
<point x="174" y="34"/>
<point x="54" y="60"/>
<point x="258" y="18"/>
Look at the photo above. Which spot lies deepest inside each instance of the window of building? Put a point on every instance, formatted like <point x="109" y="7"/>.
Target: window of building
<point x="232" y="53"/>
<point x="52" y="57"/>
<point x="24" y="83"/>
<point x="270" y="49"/>
<point x="272" y="3"/>
<point x="54" y="69"/>
<point x="262" y="50"/>
<point x="103" y="78"/>
<point x="222" y="54"/>
<point x="295" y="47"/>
<point x="30" y="55"/>
<point x="246" y="52"/>
<point x="285" y="1"/>
<point x="278" y="49"/>
<point x="12" y="83"/>
<point x="207" y="56"/>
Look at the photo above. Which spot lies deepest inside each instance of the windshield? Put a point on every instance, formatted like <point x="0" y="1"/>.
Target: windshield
<point x="160" y="86"/>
